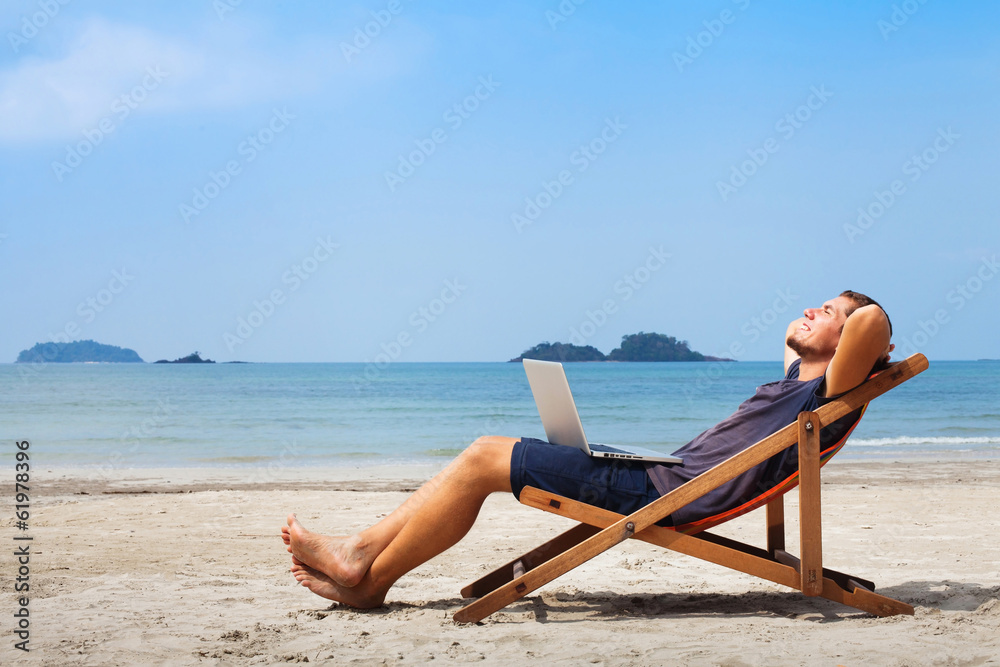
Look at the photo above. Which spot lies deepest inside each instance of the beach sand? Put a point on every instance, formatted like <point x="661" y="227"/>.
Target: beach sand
<point x="187" y="567"/>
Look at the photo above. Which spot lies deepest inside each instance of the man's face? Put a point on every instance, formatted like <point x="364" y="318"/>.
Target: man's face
<point x="819" y="329"/>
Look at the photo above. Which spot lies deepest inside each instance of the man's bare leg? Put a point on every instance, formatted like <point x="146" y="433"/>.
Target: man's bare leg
<point x="444" y="510"/>
<point x="347" y="558"/>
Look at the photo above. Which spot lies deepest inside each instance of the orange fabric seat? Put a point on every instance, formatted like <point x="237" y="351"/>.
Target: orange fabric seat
<point x="779" y="489"/>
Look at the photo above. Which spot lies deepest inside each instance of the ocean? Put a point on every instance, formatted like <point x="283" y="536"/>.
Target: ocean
<point x="117" y="416"/>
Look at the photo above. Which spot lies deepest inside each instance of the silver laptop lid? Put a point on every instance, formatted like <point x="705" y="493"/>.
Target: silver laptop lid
<point x="555" y="404"/>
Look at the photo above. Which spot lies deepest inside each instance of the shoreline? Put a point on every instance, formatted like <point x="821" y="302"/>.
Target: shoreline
<point x="51" y="481"/>
<point x="395" y="475"/>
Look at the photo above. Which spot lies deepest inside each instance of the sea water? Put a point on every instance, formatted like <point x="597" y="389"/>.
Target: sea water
<point x="114" y="416"/>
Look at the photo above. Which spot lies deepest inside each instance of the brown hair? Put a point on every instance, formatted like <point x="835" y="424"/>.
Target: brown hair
<point x="860" y="300"/>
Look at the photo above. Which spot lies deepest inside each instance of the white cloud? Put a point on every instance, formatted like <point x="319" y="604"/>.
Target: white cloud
<point x="50" y="99"/>
<point x="54" y="99"/>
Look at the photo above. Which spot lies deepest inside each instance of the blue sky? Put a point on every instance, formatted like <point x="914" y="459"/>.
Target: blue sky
<point x="428" y="181"/>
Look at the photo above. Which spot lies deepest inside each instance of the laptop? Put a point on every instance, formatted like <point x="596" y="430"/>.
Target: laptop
<point x="561" y="420"/>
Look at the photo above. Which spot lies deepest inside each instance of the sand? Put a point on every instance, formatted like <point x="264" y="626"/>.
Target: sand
<point x="186" y="567"/>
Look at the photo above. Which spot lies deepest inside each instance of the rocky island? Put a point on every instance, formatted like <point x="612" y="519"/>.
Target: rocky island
<point x="89" y="351"/>
<point x="193" y="358"/>
<point x="634" y="347"/>
<point x="76" y="352"/>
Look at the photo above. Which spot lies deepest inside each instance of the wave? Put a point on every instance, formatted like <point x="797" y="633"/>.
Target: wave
<point x="925" y="441"/>
<point x="235" y="459"/>
<point x="443" y="451"/>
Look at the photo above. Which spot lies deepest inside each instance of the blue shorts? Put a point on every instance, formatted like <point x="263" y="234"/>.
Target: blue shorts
<point x="614" y="484"/>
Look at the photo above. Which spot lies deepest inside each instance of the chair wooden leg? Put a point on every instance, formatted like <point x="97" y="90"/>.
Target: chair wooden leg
<point x="783" y="569"/>
<point x="776" y="525"/>
<point x="810" y="525"/>
<point x="510" y="571"/>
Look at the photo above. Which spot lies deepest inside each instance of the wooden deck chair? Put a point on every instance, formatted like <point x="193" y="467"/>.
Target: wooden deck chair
<point x="600" y="529"/>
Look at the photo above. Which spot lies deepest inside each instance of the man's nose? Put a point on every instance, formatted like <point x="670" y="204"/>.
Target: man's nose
<point x="810" y="313"/>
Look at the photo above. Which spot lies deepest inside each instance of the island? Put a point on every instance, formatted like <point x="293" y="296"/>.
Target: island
<point x="562" y="352"/>
<point x="80" y="351"/>
<point x="634" y="347"/>
<point x="193" y="358"/>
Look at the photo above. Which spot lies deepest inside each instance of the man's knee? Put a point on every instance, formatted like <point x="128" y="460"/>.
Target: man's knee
<point x="489" y="447"/>
<point x="490" y="456"/>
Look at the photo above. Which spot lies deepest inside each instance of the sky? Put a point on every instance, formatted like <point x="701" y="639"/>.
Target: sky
<point x="408" y="180"/>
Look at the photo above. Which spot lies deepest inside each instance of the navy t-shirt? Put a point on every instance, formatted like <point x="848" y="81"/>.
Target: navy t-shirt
<point x="774" y="406"/>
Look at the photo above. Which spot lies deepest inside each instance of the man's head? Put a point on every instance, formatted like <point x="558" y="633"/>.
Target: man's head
<point x="818" y="333"/>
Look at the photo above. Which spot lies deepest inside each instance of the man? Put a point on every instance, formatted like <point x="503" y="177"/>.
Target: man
<point x="828" y="351"/>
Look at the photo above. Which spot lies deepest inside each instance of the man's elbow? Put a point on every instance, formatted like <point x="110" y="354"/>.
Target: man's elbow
<point x="872" y="318"/>
<point x="871" y="325"/>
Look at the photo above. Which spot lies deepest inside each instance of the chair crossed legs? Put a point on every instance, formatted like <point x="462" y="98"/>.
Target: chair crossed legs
<point x="601" y="529"/>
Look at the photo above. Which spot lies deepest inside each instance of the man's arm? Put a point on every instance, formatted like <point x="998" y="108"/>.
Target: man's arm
<point x="864" y="341"/>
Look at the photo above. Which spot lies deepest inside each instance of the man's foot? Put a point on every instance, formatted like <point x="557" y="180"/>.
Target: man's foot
<point x="344" y="560"/>
<point x="323" y="586"/>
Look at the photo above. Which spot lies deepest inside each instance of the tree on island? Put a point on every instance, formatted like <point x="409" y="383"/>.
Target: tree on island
<point x="634" y="347"/>
<point x="653" y="347"/>
<point x="561" y="352"/>
<point x="76" y="352"/>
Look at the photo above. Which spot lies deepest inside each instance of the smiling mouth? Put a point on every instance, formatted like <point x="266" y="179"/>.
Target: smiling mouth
<point x="804" y="327"/>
